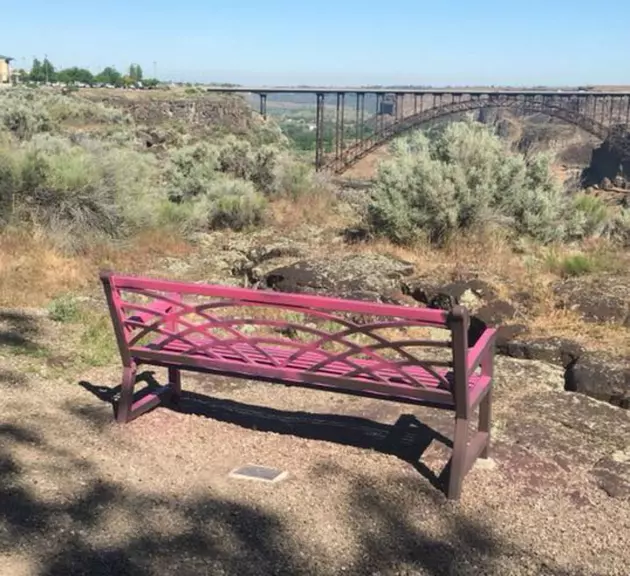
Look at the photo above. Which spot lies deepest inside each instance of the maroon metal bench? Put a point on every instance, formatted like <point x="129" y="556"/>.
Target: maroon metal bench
<point x="364" y="348"/>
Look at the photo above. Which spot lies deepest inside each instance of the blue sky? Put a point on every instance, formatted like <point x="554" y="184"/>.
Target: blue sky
<point x="332" y="42"/>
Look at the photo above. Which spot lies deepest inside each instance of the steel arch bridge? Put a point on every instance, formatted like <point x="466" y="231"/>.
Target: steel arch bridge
<point x="605" y="115"/>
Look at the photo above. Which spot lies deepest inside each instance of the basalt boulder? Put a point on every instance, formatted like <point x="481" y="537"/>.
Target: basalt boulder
<point x="601" y="376"/>
<point x="362" y="276"/>
<point x="604" y="298"/>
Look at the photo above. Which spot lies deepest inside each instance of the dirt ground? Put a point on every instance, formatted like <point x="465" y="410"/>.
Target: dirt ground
<point x="82" y="495"/>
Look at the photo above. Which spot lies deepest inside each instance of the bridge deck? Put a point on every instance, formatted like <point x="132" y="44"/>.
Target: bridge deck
<point x="400" y="90"/>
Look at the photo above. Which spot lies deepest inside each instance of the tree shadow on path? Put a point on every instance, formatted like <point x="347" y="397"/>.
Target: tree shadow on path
<point x="19" y="331"/>
<point x="74" y="537"/>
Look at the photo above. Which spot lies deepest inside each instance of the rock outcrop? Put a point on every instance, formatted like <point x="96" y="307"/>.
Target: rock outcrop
<point x="364" y="276"/>
<point x="602" y="298"/>
<point x="602" y="376"/>
<point x="288" y="264"/>
<point x="608" y="162"/>
<point x="206" y="112"/>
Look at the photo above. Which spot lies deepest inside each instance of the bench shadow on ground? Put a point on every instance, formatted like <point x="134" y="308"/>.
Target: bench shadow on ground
<point x="408" y="438"/>
<point x="73" y="535"/>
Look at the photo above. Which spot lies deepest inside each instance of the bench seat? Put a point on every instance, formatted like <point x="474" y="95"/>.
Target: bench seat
<point x="270" y="356"/>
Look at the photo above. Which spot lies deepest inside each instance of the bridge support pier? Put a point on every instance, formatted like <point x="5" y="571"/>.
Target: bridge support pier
<point x="340" y="127"/>
<point x="263" y="106"/>
<point x="319" y="134"/>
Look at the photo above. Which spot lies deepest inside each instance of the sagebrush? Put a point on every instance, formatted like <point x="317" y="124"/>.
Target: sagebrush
<point x="76" y="183"/>
<point x="466" y="178"/>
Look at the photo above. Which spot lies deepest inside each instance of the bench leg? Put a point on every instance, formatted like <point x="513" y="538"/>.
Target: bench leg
<point x="458" y="459"/>
<point x="485" y="421"/>
<point x="175" y="381"/>
<point x="125" y="403"/>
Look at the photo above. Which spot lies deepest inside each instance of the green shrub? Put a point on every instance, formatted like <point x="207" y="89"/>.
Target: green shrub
<point x="268" y="133"/>
<point x="240" y="159"/>
<point x="620" y="226"/>
<point x="80" y="190"/>
<point x="236" y="157"/>
<point x="135" y="179"/>
<point x="65" y="189"/>
<point x="64" y="309"/>
<point x="295" y="180"/>
<point x="575" y="265"/>
<point x="26" y="112"/>
<point x="9" y="184"/>
<point x="81" y="185"/>
<point x="229" y="203"/>
<point x="25" y="120"/>
<point x="590" y="216"/>
<point x="191" y="170"/>
<point x="463" y="179"/>
<point x="73" y="108"/>
<point x="178" y="215"/>
<point x="264" y="165"/>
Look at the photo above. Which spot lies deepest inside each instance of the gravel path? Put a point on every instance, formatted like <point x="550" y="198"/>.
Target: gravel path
<point x="80" y="495"/>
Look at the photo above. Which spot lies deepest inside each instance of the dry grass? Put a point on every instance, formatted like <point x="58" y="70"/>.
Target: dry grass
<point x="508" y="272"/>
<point x="32" y="271"/>
<point x="288" y="214"/>
<point x="569" y="324"/>
<point x="141" y="252"/>
<point x="488" y="255"/>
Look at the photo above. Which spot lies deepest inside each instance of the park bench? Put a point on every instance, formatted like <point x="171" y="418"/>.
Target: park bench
<point x="338" y="345"/>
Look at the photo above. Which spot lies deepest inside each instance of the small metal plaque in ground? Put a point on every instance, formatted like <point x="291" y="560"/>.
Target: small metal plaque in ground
<point x="260" y="473"/>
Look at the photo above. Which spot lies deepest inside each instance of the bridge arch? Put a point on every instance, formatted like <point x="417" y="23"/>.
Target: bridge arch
<point x="569" y="112"/>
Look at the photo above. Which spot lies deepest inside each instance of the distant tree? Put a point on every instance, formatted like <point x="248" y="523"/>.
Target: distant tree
<point x="135" y="72"/>
<point x="64" y="76"/>
<point x="151" y="82"/>
<point x="110" y="76"/>
<point x="37" y="72"/>
<point x="48" y="71"/>
<point x="75" y="75"/>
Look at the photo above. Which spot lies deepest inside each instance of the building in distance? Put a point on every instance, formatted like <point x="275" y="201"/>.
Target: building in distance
<point x="5" y="69"/>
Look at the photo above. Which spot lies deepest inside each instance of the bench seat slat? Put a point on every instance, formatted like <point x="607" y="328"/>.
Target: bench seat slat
<point x="286" y="351"/>
<point x="403" y="392"/>
<point x="257" y="360"/>
<point x="305" y="361"/>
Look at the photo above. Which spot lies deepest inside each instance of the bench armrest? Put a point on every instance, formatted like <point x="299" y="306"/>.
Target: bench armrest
<point x="478" y="351"/>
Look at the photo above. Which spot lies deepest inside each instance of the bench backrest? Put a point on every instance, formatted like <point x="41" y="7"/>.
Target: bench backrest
<point x="367" y="338"/>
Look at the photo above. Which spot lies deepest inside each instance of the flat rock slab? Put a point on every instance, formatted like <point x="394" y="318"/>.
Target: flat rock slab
<point x="558" y="424"/>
